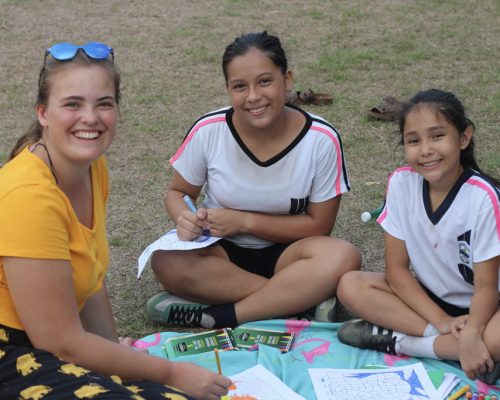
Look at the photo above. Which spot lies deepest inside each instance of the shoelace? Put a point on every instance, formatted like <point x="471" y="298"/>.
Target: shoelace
<point x="184" y="315"/>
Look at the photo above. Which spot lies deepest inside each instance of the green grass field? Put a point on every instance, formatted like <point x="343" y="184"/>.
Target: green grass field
<point x="169" y="53"/>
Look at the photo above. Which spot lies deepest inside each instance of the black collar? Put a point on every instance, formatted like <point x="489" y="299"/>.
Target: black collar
<point x="436" y="216"/>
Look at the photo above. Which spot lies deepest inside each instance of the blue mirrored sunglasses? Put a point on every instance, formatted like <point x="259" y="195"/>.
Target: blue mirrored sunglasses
<point x="67" y="51"/>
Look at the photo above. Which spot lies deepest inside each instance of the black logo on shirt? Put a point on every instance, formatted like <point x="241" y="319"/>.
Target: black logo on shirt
<point x="464" y="254"/>
<point x="298" y="206"/>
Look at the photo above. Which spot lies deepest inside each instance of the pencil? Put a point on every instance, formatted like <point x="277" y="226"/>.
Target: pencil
<point x="217" y="359"/>
<point x="459" y="392"/>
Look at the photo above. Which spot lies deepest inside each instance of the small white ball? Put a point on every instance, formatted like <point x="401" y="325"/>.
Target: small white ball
<point x="366" y="216"/>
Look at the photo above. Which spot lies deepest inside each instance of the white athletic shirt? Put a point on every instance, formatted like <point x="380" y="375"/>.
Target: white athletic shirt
<point x="310" y="169"/>
<point x="444" y="245"/>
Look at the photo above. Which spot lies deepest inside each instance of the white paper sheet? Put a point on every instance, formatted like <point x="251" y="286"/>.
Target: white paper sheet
<point x="449" y="382"/>
<point x="170" y="241"/>
<point x="260" y="384"/>
<point x="395" y="383"/>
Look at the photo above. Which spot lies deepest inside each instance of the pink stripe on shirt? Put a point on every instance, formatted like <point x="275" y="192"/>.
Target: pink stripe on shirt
<point x="384" y="213"/>
<point x="339" y="155"/>
<point x="192" y="133"/>
<point x="493" y="198"/>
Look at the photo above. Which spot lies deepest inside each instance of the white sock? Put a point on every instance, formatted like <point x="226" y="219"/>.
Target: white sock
<point x="430" y="330"/>
<point x="415" y="346"/>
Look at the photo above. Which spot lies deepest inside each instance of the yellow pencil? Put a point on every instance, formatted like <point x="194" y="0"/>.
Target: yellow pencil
<point x="216" y="351"/>
<point x="459" y="393"/>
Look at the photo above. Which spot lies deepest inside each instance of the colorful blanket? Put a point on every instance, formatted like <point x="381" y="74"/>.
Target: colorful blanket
<point x="315" y="346"/>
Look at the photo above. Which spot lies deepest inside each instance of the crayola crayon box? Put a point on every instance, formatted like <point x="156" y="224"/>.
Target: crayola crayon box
<point x="221" y="339"/>
<point x="249" y="337"/>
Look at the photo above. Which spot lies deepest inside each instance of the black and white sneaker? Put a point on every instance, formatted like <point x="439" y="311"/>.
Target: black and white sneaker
<point x="491" y="377"/>
<point x="365" y="335"/>
<point x="166" y="308"/>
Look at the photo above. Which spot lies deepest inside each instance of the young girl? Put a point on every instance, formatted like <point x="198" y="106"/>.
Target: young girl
<point x="442" y="217"/>
<point x="273" y="175"/>
<point x="57" y="332"/>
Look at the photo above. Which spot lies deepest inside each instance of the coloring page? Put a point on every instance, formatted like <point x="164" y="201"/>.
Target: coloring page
<point x="170" y="241"/>
<point x="410" y="382"/>
<point x="258" y="383"/>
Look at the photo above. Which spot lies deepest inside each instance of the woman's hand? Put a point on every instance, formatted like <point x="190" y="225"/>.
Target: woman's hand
<point x="197" y="381"/>
<point x="129" y="342"/>
<point x="475" y="358"/>
<point x="126" y="341"/>
<point x="453" y="325"/>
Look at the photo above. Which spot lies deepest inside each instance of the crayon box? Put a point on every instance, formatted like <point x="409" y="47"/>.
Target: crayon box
<point x="199" y="343"/>
<point x="249" y="337"/>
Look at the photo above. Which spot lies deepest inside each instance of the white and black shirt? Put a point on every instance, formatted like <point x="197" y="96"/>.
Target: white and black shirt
<point x="444" y="244"/>
<point x="310" y="169"/>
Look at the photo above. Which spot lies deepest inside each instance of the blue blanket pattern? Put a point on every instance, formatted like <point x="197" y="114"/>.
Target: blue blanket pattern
<point x="315" y="346"/>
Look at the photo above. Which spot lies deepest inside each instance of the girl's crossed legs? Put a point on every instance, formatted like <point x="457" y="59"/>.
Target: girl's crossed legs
<point x="368" y="295"/>
<point x="306" y="273"/>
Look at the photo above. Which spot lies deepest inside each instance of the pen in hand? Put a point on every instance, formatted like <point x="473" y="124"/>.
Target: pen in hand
<point x="189" y="203"/>
<point x="192" y="208"/>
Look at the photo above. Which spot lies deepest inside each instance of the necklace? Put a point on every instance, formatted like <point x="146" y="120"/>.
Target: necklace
<point x="48" y="156"/>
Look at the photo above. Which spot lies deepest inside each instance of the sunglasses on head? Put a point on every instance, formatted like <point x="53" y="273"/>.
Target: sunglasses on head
<point x="67" y="51"/>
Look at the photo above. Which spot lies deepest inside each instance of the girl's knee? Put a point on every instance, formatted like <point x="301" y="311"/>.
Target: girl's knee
<point x="158" y="261"/>
<point x="491" y="337"/>
<point x="350" y="284"/>
<point x="347" y="257"/>
<point x="167" y="267"/>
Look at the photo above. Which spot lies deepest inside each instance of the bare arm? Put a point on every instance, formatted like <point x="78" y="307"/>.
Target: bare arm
<point x="474" y="355"/>
<point x="485" y="299"/>
<point x="44" y="296"/>
<point x="97" y="317"/>
<point x="188" y="225"/>
<point x="407" y="287"/>
<point x="318" y="220"/>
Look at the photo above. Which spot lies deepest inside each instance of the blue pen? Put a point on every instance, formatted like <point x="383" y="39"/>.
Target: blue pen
<point x="190" y="204"/>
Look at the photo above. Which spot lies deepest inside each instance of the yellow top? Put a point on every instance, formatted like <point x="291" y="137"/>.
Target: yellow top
<point x="37" y="220"/>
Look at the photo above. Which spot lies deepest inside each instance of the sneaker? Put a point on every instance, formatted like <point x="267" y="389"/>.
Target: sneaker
<point x="491" y="377"/>
<point x="167" y="308"/>
<point x="363" y="334"/>
<point x="326" y="311"/>
<point x="306" y="315"/>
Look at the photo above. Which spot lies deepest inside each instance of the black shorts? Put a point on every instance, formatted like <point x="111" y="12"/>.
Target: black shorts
<point x="450" y="309"/>
<point x="257" y="261"/>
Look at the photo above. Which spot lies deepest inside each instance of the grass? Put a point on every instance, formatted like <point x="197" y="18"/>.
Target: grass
<point x="169" y="54"/>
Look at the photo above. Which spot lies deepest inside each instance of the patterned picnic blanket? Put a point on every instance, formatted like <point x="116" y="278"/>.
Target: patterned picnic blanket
<point x="315" y="346"/>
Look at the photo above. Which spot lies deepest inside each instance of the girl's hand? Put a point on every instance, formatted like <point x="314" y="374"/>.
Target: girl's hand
<point x="197" y="381"/>
<point x="458" y="324"/>
<point x="190" y="225"/>
<point x="224" y="222"/>
<point x="453" y="325"/>
<point x="474" y="356"/>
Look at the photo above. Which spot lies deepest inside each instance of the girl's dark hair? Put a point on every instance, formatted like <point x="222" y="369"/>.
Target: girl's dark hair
<point x="452" y="109"/>
<point x="270" y="45"/>
<point x="45" y="80"/>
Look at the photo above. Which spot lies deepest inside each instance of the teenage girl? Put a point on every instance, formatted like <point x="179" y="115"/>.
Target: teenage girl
<point x="57" y="332"/>
<point x="273" y="176"/>
<point x="442" y="218"/>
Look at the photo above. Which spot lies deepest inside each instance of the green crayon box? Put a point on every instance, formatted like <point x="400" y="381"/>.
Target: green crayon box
<point x="249" y="337"/>
<point x="221" y="339"/>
